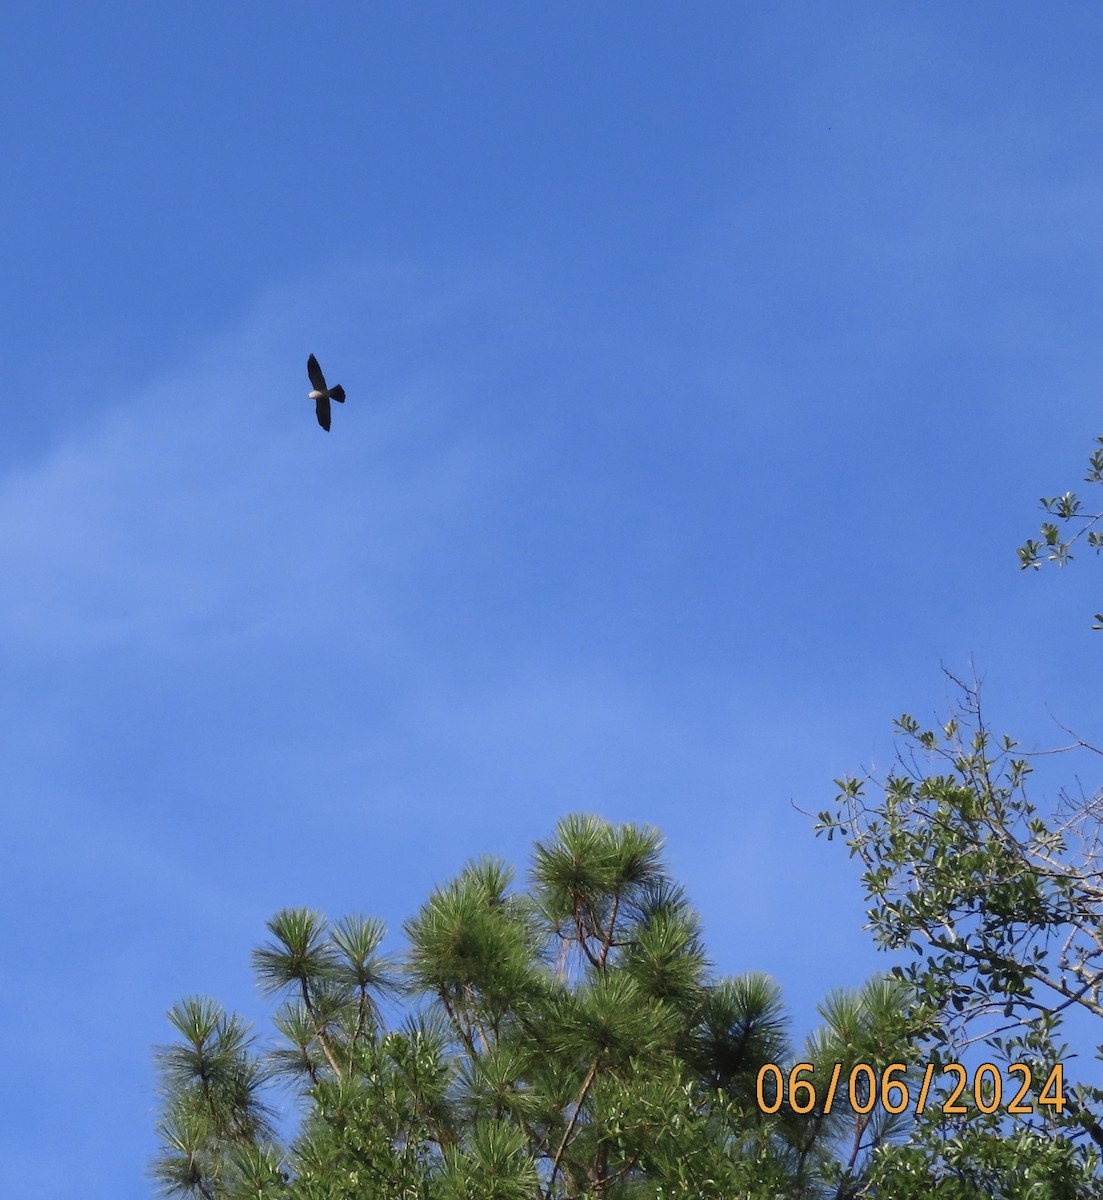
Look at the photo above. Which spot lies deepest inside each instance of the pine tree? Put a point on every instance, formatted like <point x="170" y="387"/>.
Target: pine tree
<point x="562" y="1041"/>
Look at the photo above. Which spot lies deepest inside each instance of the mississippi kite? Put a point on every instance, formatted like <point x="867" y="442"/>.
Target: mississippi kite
<point x="322" y="395"/>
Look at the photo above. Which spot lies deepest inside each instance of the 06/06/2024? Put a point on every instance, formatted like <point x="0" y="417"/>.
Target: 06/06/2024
<point x="864" y="1087"/>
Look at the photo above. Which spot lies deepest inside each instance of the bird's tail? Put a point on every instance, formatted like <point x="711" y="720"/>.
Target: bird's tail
<point x="337" y="393"/>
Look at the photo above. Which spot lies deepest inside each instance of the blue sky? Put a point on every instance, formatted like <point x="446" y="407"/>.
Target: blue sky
<point x="705" y="363"/>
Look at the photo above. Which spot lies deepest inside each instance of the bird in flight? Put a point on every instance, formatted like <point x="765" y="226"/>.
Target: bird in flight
<point x="322" y="395"/>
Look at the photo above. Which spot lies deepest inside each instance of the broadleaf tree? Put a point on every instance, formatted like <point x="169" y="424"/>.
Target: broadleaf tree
<point x="995" y="900"/>
<point x="1076" y="523"/>
<point x="997" y="906"/>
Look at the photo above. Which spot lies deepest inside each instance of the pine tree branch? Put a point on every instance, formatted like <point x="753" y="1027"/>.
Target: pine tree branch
<point x="608" y="940"/>
<point x="583" y="1092"/>
<point x="323" y="1041"/>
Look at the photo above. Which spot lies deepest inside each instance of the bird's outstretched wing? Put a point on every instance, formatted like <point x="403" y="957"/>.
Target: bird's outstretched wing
<point x="321" y="407"/>
<point x="316" y="377"/>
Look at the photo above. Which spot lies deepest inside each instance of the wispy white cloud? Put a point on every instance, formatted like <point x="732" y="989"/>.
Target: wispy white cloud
<point x="208" y="506"/>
